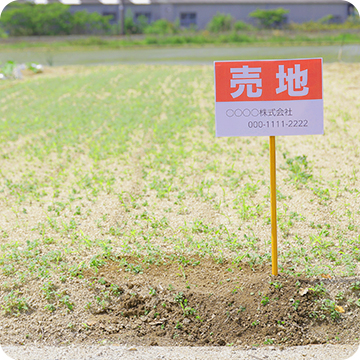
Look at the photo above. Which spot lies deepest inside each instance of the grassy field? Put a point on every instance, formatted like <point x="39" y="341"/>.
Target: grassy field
<point x="255" y="37"/>
<point x="120" y="165"/>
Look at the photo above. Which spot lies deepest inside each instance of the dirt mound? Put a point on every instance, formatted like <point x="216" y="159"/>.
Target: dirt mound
<point x="196" y="304"/>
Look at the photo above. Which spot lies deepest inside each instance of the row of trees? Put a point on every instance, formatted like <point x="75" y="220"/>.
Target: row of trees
<point x="26" y="19"/>
<point x="55" y="19"/>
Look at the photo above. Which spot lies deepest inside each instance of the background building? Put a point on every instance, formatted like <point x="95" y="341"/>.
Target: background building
<point x="199" y="12"/>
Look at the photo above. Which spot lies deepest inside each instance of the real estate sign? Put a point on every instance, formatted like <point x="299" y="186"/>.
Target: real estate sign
<point x="269" y="97"/>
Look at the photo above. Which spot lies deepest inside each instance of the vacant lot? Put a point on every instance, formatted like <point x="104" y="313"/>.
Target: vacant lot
<point x="123" y="217"/>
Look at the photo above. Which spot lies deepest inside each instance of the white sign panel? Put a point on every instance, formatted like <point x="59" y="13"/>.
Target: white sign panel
<point x="269" y="97"/>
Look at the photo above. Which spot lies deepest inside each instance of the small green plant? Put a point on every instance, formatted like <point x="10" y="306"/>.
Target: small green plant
<point x="296" y="304"/>
<point x="13" y="304"/>
<point x="115" y="289"/>
<point x="179" y="297"/>
<point x="276" y="284"/>
<point x="152" y="291"/>
<point x="136" y="269"/>
<point x="355" y="286"/>
<point x="340" y="296"/>
<point x="298" y="168"/>
<point x="50" y="307"/>
<point x="265" y="300"/>
<point x="178" y="325"/>
<point x="65" y="300"/>
<point x="319" y="290"/>
<point x="329" y="307"/>
<point x="268" y="341"/>
<point x="187" y="310"/>
<point x="96" y="263"/>
<point x="48" y="289"/>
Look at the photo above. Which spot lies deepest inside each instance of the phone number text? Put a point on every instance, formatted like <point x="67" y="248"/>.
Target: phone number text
<point x="277" y="124"/>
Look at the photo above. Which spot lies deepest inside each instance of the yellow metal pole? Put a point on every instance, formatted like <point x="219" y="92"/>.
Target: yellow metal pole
<point x="273" y="206"/>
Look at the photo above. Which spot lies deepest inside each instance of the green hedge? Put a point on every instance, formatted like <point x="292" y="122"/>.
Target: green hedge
<point x="25" y="19"/>
<point x="28" y="19"/>
<point x="270" y="18"/>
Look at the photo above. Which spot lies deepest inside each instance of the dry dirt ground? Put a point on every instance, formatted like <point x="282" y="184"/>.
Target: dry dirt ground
<point x="192" y="290"/>
<point x="194" y="305"/>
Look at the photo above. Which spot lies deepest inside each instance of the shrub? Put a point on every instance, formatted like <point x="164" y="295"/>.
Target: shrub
<point x="220" y="22"/>
<point x="3" y="34"/>
<point x="270" y="18"/>
<point x="151" y="40"/>
<point x="30" y="19"/>
<point x="51" y="19"/>
<point x="142" y="23"/>
<point x="84" y="22"/>
<point x="129" y="23"/>
<point x="161" y="27"/>
<point x="234" y="37"/>
<point x="7" y="69"/>
<point x="352" y="22"/>
<point x="241" y="25"/>
<point x="328" y="19"/>
<point x="354" y="19"/>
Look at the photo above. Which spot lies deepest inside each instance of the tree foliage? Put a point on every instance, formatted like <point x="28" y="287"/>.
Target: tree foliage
<point x="270" y="18"/>
<point x="129" y="23"/>
<point x="24" y="19"/>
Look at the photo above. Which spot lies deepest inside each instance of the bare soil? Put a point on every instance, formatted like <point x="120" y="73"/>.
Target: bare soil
<point x="225" y="305"/>
<point x="131" y="302"/>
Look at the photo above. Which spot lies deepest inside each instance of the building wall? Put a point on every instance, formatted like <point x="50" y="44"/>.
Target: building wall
<point x="101" y="9"/>
<point x="157" y="12"/>
<point x="297" y="12"/>
<point x="204" y="12"/>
